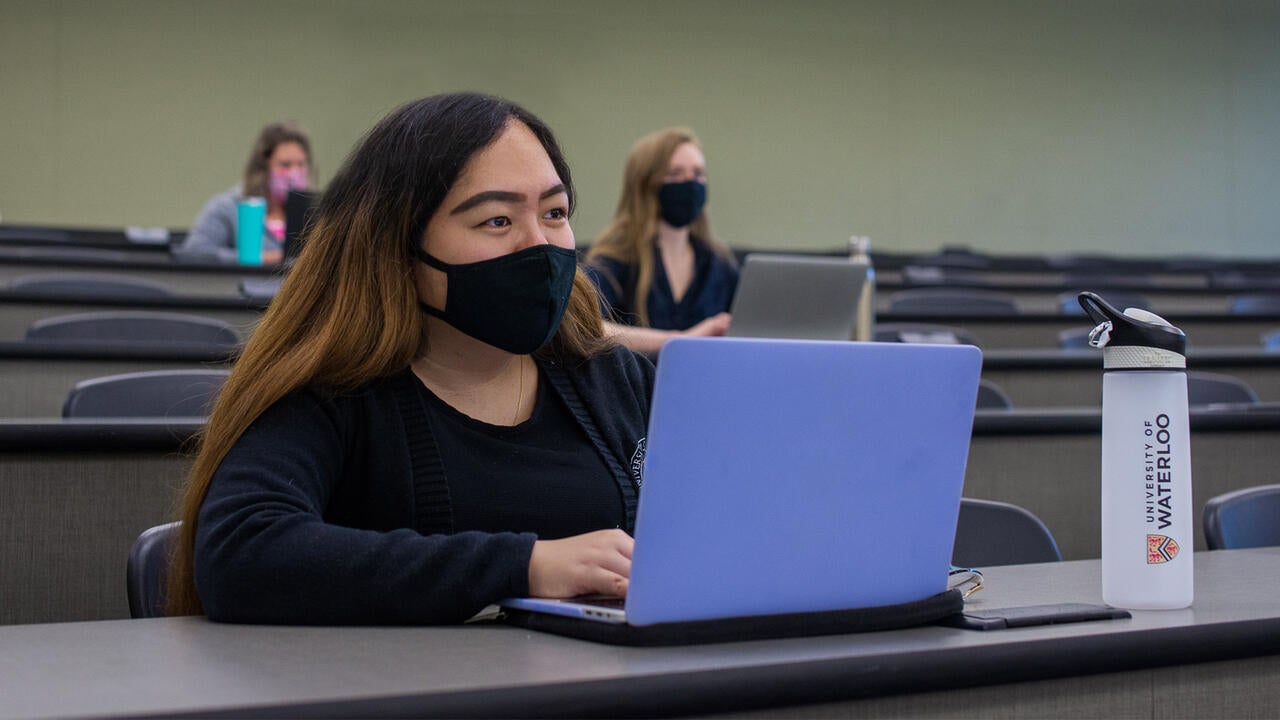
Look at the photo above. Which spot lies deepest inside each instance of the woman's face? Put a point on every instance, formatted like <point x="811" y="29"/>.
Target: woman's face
<point x="288" y="157"/>
<point x="507" y="198"/>
<point x="687" y="163"/>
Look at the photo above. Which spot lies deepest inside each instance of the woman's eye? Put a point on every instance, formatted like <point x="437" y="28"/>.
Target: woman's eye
<point x="497" y="222"/>
<point x="557" y="214"/>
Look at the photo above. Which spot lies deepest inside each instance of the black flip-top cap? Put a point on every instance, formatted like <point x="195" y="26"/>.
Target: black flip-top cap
<point x="1130" y="331"/>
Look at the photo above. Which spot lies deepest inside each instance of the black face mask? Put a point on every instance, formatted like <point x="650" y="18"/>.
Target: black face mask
<point x="681" y="203"/>
<point x="514" y="302"/>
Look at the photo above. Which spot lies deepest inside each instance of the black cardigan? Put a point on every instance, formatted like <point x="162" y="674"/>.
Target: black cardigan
<point x="332" y="508"/>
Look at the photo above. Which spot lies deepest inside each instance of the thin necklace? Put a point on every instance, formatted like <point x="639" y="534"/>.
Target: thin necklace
<point x="520" y="394"/>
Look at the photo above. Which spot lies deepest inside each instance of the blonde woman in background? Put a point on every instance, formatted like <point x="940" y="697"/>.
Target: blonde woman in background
<point x="658" y="267"/>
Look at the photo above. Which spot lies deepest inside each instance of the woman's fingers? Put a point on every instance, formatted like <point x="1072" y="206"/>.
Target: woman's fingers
<point x="598" y="562"/>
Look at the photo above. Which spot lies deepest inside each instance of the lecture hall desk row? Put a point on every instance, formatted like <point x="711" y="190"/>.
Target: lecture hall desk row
<point x="1027" y="330"/>
<point x="74" y="495"/>
<point x="35" y="377"/>
<point x="1035" y="292"/>
<point x="1217" y="659"/>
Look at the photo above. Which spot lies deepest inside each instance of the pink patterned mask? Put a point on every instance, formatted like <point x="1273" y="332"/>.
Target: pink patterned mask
<point x="280" y="183"/>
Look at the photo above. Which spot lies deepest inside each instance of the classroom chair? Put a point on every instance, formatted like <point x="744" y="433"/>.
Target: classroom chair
<point x="1204" y="388"/>
<point x="97" y="285"/>
<point x="1075" y="338"/>
<point x="261" y="289"/>
<point x="1243" y="518"/>
<point x="996" y="533"/>
<point x="992" y="397"/>
<point x="133" y="326"/>
<point x="952" y="301"/>
<point x="1271" y="340"/>
<point x="923" y="333"/>
<point x="147" y="568"/>
<point x="954" y="257"/>
<point x="1265" y="304"/>
<point x="150" y="393"/>
<point x="934" y="275"/>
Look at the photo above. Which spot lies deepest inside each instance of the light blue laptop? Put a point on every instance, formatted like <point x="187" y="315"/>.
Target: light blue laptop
<point x="792" y="476"/>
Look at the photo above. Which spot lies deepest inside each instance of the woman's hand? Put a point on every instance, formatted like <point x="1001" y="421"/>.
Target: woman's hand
<point x="715" y="325"/>
<point x="597" y="563"/>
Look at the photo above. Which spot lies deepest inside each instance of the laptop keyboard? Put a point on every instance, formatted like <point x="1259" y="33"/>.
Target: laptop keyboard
<point x="612" y="603"/>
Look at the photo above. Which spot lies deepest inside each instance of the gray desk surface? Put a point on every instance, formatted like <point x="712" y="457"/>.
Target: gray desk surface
<point x="1040" y="329"/>
<point x="180" y="666"/>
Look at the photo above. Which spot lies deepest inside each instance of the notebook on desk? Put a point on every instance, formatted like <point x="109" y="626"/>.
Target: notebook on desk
<point x="789" y="487"/>
<point x="797" y="296"/>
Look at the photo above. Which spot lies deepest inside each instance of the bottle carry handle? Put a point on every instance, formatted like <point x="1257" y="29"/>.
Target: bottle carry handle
<point x="1098" y="310"/>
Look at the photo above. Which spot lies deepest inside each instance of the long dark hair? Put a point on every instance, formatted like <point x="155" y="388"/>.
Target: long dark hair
<point x="348" y="312"/>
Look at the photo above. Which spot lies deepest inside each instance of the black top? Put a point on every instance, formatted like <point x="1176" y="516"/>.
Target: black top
<point x="711" y="291"/>
<point x="334" y="507"/>
<point x="541" y="476"/>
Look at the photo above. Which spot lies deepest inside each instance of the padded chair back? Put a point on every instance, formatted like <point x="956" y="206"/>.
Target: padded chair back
<point x="128" y="326"/>
<point x="952" y="301"/>
<point x="992" y="397"/>
<point x="145" y="574"/>
<point x="923" y="333"/>
<point x="996" y="533"/>
<point x="1121" y="299"/>
<point x="1243" y="518"/>
<point x="263" y="289"/>
<point x="1205" y="388"/>
<point x="954" y="257"/>
<point x="1255" y="305"/>
<point x="151" y="393"/>
<point x="74" y="284"/>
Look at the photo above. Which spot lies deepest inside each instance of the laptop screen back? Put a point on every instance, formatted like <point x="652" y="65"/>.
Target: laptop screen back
<point x="797" y="296"/>
<point x="299" y="206"/>
<point x="793" y="476"/>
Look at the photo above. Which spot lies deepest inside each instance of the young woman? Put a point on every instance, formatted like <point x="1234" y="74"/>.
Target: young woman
<point x="658" y="267"/>
<point x="279" y="162"/>
<point x="428" y="417"/>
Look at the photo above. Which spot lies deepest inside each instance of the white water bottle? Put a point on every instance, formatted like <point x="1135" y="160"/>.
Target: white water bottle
<point x="864" y="320"/>
<point x="1147" y="516"/>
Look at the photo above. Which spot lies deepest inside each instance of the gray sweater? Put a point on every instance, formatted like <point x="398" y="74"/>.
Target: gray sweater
<point x="212" y="236"/>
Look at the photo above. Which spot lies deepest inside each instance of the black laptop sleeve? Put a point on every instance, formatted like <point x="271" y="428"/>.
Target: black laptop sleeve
<point x="757" y="627"/>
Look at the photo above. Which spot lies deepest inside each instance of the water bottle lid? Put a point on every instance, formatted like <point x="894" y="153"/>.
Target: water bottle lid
<point x="1134" y="338"/>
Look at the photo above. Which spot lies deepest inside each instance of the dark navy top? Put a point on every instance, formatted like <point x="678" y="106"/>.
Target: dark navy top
<point x="714" y="281"/>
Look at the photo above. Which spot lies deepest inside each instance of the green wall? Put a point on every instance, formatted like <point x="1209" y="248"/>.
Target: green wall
<point x="1038" y="126"/>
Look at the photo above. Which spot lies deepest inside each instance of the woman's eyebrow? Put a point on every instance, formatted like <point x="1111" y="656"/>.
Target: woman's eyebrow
<point x="502" y="196"/>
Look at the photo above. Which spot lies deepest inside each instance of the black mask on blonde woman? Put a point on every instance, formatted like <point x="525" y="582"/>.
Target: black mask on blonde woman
<point x="514" y="302"/>
<point x="681" y="203"/>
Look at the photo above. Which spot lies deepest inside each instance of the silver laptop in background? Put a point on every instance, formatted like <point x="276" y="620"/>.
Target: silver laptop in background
<point x="798" y="297"/>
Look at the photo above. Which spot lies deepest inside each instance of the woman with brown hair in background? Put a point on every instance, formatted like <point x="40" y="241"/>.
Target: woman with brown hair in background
<point x="429" y="417"/>
<point x="658" y="267"/>
<point x="280" y="161"/>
